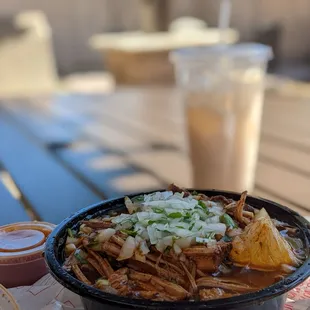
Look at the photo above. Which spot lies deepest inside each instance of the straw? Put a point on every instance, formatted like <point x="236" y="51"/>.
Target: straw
<point x="224" y="66"/>
<point x="224" y="18"/>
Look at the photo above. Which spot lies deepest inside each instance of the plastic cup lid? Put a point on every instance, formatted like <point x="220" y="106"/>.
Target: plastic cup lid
<point x="253" y="51"/>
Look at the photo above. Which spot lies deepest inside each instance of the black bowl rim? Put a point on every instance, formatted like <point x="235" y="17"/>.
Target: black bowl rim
<point x="68" y="281"/>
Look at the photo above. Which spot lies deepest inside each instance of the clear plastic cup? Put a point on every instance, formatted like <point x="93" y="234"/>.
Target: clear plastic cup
<point x="223" y="90"/>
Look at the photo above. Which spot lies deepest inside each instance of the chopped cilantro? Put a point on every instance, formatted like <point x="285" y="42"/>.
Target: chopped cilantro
<point x="201" y="204"/>
<point x="187" y="216"/>
<point x="158" y="210"/>
<point x="150" y="222"/>
<point x="129" y="232"/>
<point x="175" y="215"/>
<point x="138" y="198"/>
<point x="210" y="214"/>
<point x="210" y="235"/>
<point x="191" y="227"/>
<point x="228" y="221"/>
<point x="70" y="233"/>
<point x="226" y="239"/>
<point x="80" y="256"/>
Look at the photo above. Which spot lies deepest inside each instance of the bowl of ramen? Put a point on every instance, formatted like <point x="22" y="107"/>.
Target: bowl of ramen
<point x="184" y="249"/>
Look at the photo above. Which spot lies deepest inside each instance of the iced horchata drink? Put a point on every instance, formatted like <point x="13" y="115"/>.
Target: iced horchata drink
<point x="223" y="89"/>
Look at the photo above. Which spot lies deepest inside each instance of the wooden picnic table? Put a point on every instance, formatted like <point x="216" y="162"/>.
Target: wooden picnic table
<point x="62" y="152"/>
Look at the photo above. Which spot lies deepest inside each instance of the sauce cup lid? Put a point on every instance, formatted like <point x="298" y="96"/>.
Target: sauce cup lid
<point x="24" y="241"/>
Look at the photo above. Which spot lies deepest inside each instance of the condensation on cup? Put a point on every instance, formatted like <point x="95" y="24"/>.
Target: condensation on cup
<point x="223" y="89"/>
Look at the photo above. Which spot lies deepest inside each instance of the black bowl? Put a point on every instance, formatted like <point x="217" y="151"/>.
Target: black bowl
<point x="272" y="297"/>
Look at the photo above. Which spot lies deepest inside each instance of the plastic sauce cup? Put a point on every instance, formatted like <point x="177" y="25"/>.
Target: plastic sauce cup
<point x="21" y="252"/>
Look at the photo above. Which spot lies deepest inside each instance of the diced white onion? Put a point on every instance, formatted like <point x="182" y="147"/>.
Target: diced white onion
<point x="144" y="248"/>
<point x="172" y="203"/>
<point x="138" y="239"/>
<point x="177" y="249"/>
<point x="72" y="240"/>
<point x="182" y="232"/>
<point x="131" y="207"/>
<point x="179" y="224"/>
<point x="160" y="246"/>
<point x="213" y="219"/>
<point x="184" y="243"/>
<point x="168" y="240"/>
<point x="205" y="240"/>
<point x="124" y="225"/>
<point x="152" y="234"/>
<point x="218" y="228"/>
<point x="167" y="220"/>
<point x="105" y="234"/>
<point x="121" y="218"/>
<point x="147" y="216"/>
<point x="127" y="249"/>
<point x="70" y="248"/>
<point x="287" y="268"/>
<point x="102" y="282"/>
<point x="217" y="210"/>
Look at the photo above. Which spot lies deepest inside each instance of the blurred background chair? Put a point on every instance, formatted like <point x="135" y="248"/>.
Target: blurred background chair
<point x="26" y="56"/>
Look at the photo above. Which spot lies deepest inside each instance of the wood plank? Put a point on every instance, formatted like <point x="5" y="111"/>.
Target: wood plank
<point x="128" y="114"/>
<point x="80" y="116"/>
<point x="169" y="166"/>
<point x="263" y="194"/>
<point x="289" y="111"/>
<point x="286" y="119"/>
<point x="108" y="172"/>
<point x="113" y="138"/>
<point x="45" y="126"/>
<point x="149" y="129"/>
<point x="291" y="138"/>
<point x="50" y="188"/>
<point x="11" y="210"/>
<point x="141" y="114"/>
<point x="157" y="115"/>
<point x="288" y="185"/>
<point x="289" y="158"/>
<point x="154" y="104"/>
